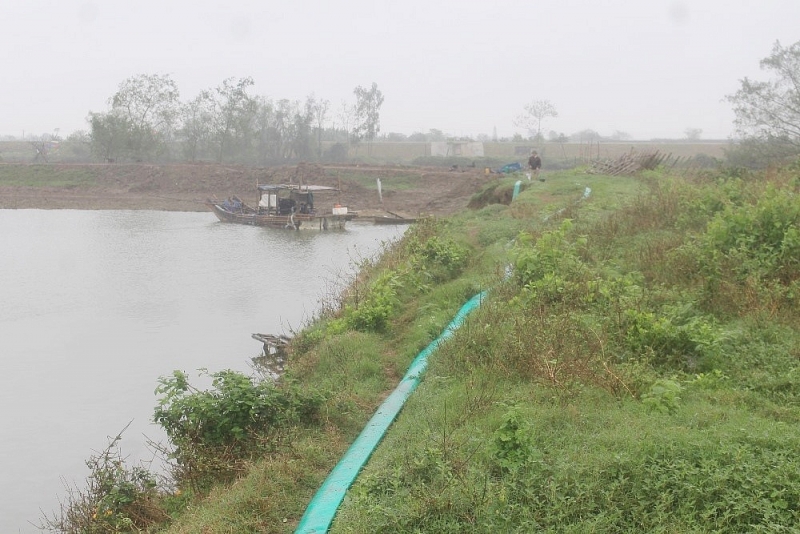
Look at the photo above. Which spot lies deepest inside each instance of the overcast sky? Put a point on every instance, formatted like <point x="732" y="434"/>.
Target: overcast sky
<point x="650" y="68"/>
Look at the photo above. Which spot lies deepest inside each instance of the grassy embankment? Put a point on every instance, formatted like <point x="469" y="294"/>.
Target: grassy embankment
<point x="638" y="371"/>
<point x="44" y="176"/>
<point x="634" y="368"/>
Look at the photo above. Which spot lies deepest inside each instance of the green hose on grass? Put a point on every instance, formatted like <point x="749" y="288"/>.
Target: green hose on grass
<point x="322" y="508"/>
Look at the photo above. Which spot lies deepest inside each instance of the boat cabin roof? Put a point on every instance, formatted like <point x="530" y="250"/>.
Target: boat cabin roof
<point x="295" y="187"/>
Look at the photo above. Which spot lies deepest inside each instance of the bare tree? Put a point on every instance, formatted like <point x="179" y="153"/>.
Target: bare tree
<point x="347" y="118"/>
<point x="320" y="108"/>
<point x="534" y="115"/>
<point x="368" y="105"/>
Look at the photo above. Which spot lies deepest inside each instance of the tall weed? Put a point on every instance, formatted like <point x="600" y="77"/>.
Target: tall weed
<point x="213" y="430"/>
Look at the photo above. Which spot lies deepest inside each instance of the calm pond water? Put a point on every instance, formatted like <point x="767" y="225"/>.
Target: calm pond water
<point x="96" y="305"/>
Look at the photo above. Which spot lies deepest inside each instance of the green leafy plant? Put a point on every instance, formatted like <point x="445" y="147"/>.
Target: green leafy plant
<point x="670" y="339"/>
<point x="760" y="239"/>
<point x="436" y="259"/>
<point x="117" y="498"/>
<point x="512" y="444"/>
<point x="663" y="396"/>
<point x="711" y="380"/>
<point x="372" y="312"/>
<point x="212" y="430"/>
<point x="550" y="266"/>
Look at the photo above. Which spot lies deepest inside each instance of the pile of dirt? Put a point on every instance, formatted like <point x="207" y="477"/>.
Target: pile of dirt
<point x="410" y="191"/>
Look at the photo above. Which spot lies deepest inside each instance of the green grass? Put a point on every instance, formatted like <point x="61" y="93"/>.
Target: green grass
<point x="595" y="462"/>
<point x="602" y="449"/>
<point x="44" y="176"/>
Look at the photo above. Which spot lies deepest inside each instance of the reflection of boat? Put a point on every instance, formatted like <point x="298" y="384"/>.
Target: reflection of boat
<point x="273" y="343"/>
<point x="276" y="351"/>
<point x="284" y="206"/>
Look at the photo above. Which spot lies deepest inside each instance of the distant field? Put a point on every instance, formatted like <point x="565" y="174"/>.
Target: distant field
<point x="584" y="151"/>
<point x="573" y="153"/>
<point x="555" y="153"/>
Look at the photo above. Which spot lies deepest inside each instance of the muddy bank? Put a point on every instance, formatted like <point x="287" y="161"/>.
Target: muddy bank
<point x="410" y="191"/>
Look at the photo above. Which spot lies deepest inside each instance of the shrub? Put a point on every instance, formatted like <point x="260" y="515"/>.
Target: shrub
<point x="213" y="430"/>
<point x="760" y="239"/>
<point x="671" y="339"/>
<point x="117" y="498"/>
<point x="512" y="444"/>
<point x="663" y="396"/>
<point x="372" y="313"/>
<point x="550" y="269"/>
<point x="551" y="253"/>
<point x="437" y="259"/>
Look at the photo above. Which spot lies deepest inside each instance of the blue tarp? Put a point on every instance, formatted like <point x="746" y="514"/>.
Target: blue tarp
<point x="510" y="167"/>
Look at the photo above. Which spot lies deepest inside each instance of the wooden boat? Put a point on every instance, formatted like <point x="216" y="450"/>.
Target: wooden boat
<point x="273" y="343"/>
<point x="393" y="218"/>
<point x="285" y="206"/>
<point x="275" y="353"/>
<point x="388" y="219"/>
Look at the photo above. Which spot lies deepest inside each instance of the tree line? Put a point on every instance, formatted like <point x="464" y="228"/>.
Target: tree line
<point x="147" y="121"/>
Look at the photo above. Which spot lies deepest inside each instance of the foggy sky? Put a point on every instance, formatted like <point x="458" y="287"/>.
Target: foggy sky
<point x="649" y="68"/>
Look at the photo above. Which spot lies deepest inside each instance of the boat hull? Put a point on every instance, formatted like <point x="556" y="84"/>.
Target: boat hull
<point x="393" y="220"/>
<point x="293" y="221"/>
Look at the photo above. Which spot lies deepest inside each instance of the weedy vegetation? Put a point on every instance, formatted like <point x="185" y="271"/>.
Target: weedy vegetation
<point x="635" y="367"/>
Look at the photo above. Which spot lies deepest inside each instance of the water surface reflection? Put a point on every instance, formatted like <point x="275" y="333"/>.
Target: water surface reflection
<point x="96" y="305"/>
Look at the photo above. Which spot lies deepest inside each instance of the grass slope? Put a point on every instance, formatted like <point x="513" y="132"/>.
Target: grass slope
<point x="635" y="367"/>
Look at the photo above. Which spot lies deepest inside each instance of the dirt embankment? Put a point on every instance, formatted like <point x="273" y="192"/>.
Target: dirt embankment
<point x="410" y="191"/>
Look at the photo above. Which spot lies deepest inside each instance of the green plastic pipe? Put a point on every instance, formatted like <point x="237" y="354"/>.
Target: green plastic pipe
<point x="322" y="509"/>
<point x="516" y="189"/>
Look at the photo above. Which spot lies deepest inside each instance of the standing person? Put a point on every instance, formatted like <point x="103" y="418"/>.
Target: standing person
<point x="535" y="163"/>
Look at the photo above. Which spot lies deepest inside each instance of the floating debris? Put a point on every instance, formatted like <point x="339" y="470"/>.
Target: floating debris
<point x="275" y="352"/>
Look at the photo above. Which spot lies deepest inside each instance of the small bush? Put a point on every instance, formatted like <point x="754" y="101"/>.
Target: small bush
<point x="437" y="259"/>
<point x="663" y="396"/>
<point x="213" y="430"/>
<point x="512" y="445"/>
<point x="372" y="313"/>
<point x="761" y="239"/>
<point x="670" y="339"/>
<point x="552" y="253"/>
<point x="117" y="498"/>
